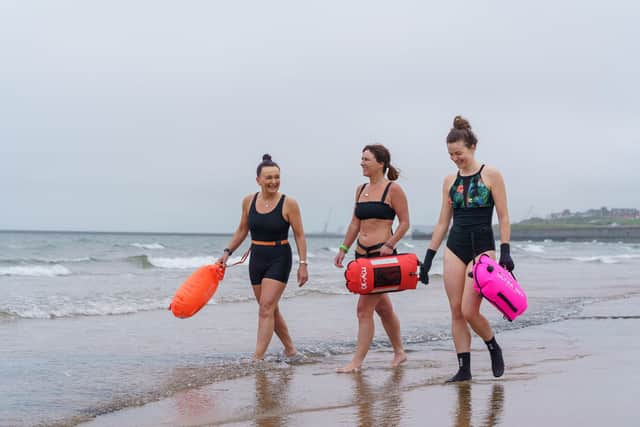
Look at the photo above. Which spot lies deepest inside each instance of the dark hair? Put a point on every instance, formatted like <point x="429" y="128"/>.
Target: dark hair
<point x="382" y="155"/>
<point x="266" y="161"/>
<point x="461" y="131"/>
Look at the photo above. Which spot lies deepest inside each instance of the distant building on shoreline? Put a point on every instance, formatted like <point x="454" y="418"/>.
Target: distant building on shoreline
<point x="603" y="212"/>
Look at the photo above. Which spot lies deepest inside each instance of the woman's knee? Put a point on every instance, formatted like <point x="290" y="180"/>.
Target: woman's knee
<point x="267" y="309"/>
<point x="470" y="312"/>
<point x="456" y="313"/>
<point x="384" y="309"/>
<point x="364" y="312"/>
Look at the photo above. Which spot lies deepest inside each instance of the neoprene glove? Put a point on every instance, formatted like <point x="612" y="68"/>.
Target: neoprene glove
<point x="505" y="257"/>
<point x="426" y="266"/>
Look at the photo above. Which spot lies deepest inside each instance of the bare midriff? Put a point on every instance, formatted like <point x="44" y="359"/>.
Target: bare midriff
<point x="374" y="231"/>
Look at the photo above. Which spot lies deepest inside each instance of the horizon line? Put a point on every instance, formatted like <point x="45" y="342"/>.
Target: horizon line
<point x="174" y="233"/>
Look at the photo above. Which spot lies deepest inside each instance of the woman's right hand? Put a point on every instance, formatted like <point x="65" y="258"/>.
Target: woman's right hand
<point x="223" y="259"/>
<point x="339" y="258"/>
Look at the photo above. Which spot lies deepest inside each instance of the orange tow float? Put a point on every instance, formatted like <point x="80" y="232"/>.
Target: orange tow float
<point x="198" y="289"/>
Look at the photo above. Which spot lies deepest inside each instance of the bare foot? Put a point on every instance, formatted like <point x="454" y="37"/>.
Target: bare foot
<point x="398" y="359"/>
<point x="352" y="367"/>
<point x="290" y="353"/>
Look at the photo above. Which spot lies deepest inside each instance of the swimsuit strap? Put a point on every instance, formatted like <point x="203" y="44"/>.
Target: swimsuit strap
<point x="386" y="190"/>
<point x="361" y="190"/>
<point x="253" y="203"/>
<point x="370" y="248"/>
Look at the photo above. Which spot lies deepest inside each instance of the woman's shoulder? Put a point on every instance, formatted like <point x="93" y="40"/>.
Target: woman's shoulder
<point x="246" y="200"/>
<point x="491" y="172"/>
<point x="394" y="187"/>
<point x="289" y="201"/>
<point x="449" y="180"/>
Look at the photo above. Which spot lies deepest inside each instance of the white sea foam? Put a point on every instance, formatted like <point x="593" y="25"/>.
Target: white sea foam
<point x="87" y="308"/>
<point x="148" y="245"/>
<point x="183" y="263"/>
<point x="607" y="259"/>
<point x="333" y="250"/>
<point x="35" y="270"/>
<point x="296" y="257"/>
<point x="64" y="307"/>
<point x="602" y="259"/>
<point x="538" y="249"/>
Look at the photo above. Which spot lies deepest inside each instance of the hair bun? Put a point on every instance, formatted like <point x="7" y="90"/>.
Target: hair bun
<point x="266" y="158"/>
<point x="461" y="123"/>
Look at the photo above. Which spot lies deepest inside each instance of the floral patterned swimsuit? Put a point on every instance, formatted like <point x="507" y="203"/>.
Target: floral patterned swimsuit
<point x="472" y="204"/>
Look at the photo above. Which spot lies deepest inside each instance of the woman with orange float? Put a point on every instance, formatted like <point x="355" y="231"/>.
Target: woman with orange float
<point x="268" y="214"/>
<point x="376" y="205"/>
<point x="469" y="198"/>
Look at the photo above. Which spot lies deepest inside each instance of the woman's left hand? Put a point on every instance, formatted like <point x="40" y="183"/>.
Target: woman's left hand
<point x="386" y="250"/>
<point x="303" y="275"/>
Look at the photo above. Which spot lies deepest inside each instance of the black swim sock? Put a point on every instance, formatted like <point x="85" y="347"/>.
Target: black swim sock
<point x="497" y="362"/>
<point x="464" y="371"/>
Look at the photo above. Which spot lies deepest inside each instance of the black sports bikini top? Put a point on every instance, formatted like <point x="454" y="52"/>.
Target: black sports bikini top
<point x="375" y="210"/>
<point x="269" y="226"/>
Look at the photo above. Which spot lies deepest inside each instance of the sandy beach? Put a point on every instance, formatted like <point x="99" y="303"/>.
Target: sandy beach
<point x="580" y="371"/>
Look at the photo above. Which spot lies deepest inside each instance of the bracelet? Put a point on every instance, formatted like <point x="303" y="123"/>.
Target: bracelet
<point x="227" y="250"/>
<point x="344" y="247"/>
<point x="303" y="261"/>
<point x="389" y="246"/>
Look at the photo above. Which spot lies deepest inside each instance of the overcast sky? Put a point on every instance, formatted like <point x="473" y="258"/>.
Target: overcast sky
<point x="152" y="115"/>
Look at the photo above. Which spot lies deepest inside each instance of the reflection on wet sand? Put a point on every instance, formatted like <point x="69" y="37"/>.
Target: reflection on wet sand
<point x="464" y="411"/>
<point x="194" y="402"/>
<point x="272" y="390"/>
<point x="386" y="398"/>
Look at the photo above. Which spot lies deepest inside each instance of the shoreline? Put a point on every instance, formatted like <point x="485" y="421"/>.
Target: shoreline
<point x="548" y="367"/>
<point x="148" y="233"/>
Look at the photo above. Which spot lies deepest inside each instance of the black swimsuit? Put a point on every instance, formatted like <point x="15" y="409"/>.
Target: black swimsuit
<point x="373" y="210"/>
<point x="472" y="203"/>
<point x="269" y="262"/>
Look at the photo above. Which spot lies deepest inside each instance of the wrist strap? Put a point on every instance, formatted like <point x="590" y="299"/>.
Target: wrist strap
<point x="344" y="247"/>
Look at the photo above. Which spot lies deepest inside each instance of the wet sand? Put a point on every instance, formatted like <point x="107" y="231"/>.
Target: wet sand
<point x="581" y="371"/>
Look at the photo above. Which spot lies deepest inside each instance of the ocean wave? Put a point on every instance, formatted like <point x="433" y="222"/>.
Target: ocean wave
<point x="230" y="299"/>
<point x="330" y="249"/>
<point x="107" y="306"/>
<point x="26" y="261"/>
<point x="607" y="259"/>
<point x="85" y="309"/>
<point x="296" y="257"/>
<point x="148" y="245"/>
<point x="538" y="249"/>
<point x="310" y="290"/>
<point x="139" y="260"/>
<point x="184" y="263"/>
<point x="35" y="270"/>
